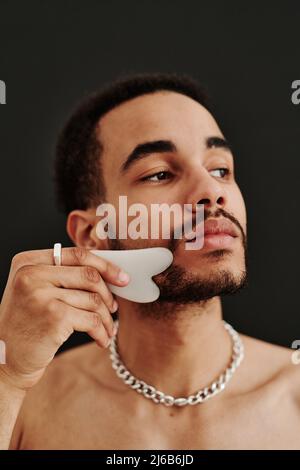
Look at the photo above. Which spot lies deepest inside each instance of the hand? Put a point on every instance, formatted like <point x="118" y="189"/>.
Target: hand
<point x="43" y="305"/>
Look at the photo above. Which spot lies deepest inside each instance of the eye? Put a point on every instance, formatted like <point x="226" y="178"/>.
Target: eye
<point x="224" y="171"/>
<point x="160" y="176"/>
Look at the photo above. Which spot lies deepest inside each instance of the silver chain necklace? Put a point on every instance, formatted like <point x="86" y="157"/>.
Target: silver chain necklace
<point x="201" y="396"/>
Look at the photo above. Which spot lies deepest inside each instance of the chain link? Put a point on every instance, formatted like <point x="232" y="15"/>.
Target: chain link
<point x="150" y="392"/>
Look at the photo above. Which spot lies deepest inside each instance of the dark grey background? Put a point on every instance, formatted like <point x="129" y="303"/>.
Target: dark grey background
<point x="53" y="53"/>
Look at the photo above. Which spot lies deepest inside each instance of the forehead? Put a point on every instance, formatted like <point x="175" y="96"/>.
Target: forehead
<point x="156" y="116"/>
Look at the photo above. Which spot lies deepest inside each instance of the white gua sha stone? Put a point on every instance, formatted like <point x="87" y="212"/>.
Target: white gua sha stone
<point x="141" y="265"/>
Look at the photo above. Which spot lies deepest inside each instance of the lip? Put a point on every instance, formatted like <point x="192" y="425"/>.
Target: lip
<point x="215" y="226"/>
<point x="218" y="240"/>
<point x="218" y="233"/>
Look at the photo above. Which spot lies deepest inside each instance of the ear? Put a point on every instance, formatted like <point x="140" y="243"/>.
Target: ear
<point x="81" y="228"/>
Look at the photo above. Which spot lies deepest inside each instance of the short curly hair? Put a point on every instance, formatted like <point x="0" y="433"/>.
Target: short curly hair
<point x="77" y="171"/>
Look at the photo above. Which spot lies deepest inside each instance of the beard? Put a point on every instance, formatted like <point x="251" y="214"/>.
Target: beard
<point x="180" y="287"/>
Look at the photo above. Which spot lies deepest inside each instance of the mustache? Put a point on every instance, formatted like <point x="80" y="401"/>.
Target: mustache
<point x="174" y="242"/>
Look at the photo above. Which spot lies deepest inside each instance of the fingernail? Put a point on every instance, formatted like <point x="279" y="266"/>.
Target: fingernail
<point x="114" y="307"/>
<point x="123" y="276"/>
<point x="108" y="343"/>
<point x="115" y="329"/>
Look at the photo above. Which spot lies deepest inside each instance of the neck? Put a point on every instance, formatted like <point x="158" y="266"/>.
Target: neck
<point x="178" y="355"/>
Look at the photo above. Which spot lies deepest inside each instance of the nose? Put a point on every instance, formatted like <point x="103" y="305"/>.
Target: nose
<point x="207" y="190"/>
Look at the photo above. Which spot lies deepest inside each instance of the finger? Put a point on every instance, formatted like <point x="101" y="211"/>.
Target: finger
<point x="74" y="256"/>
<point x="91" y="301"/>
<point x="76" y="277"/>
<point x="84" y="321"/>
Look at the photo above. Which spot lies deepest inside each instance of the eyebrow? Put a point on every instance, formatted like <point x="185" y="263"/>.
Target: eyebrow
<point x="163" y="146"/>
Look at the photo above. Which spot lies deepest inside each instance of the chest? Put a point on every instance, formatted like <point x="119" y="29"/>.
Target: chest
<point x="116" y="424"/>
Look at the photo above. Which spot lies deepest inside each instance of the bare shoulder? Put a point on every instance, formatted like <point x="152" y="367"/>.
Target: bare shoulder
<point x="70" y="377"/>
<point x="71" y="368"/>
<point x="272" y="365"/>
<point x="275" y="355"/>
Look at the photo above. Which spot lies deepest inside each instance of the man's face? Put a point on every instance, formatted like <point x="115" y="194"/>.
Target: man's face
<point x="182" y="164"/>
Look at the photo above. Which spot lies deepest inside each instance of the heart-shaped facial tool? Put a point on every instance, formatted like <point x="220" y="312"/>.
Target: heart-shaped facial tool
<point x="141" y="265"/>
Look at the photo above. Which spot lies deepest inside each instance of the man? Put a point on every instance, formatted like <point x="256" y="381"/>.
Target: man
<point x="153" y="139"/>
